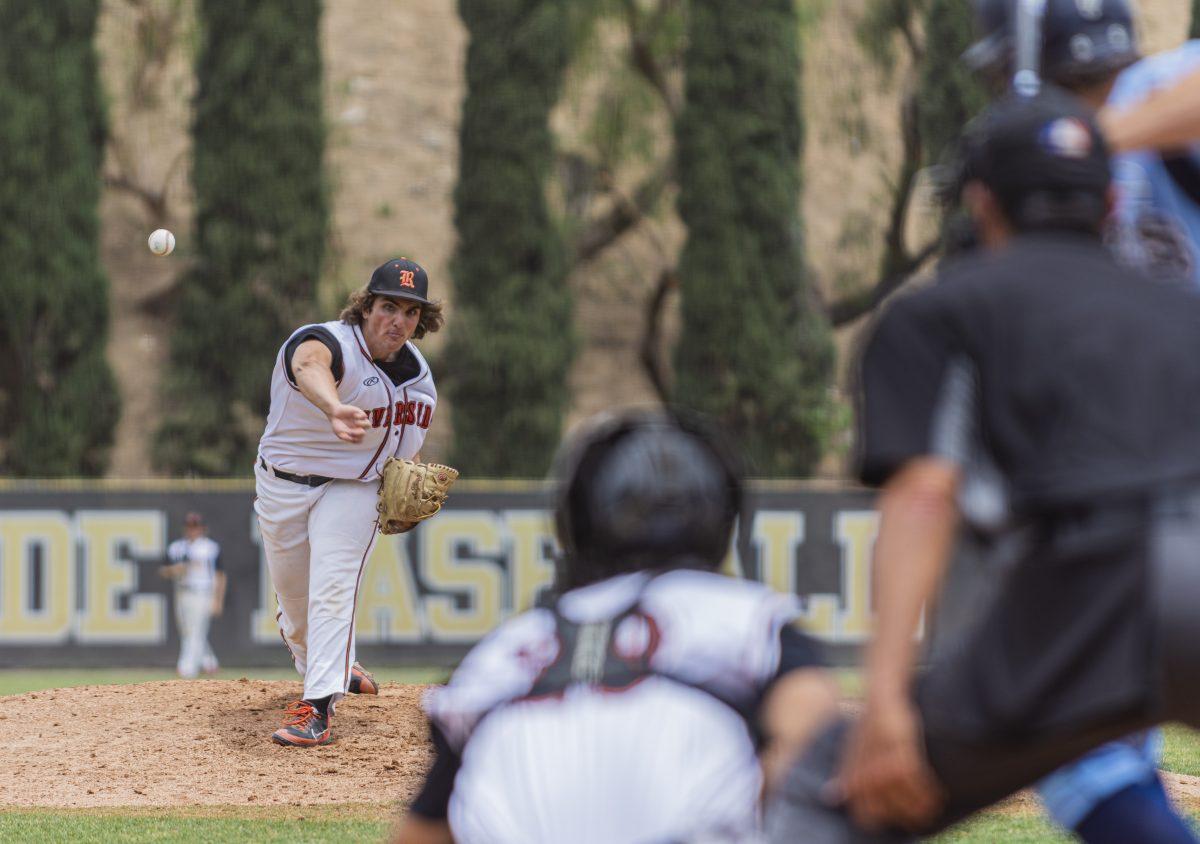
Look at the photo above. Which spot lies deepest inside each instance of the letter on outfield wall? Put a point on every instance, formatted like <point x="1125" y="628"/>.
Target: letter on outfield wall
<point x="112" y="580"/>
<point x="388" y="602"/>
<point x="37" y="576"/>
<point x="460" y="557"/>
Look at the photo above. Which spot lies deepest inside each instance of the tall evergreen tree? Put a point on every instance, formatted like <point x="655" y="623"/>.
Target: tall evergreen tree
<point x="58" y="397"/>
<point x="755" y="352"/>
<point x="1194" y="29"/>
<point x="261" y="224"/>
<point x="949" y="93"/>
<point x="511" y="338"/>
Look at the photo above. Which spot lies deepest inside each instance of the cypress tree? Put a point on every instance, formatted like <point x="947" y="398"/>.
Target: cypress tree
<point x="511" y="338"/>
<point x="754" y="352"/>
<point x="261" y="222"/>
<point x="949" y="94"/>
<point x="1194" y="29"/>
<point x="58" y="397"/>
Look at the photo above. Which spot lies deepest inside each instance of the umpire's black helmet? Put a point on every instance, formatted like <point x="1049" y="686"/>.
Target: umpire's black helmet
<point x="643" y="489"/>
<point x="1083" y="41"/>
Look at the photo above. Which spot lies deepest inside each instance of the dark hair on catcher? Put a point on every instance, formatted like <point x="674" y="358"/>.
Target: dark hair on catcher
<point x="643" y="490"/>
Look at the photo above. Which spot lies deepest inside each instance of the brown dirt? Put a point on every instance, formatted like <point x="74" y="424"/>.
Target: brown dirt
<point x="204" y="743"/>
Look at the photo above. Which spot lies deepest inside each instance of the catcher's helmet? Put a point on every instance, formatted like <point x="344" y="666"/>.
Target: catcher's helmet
<point x="1083" y="41"/>
<point x="643" y="490"/>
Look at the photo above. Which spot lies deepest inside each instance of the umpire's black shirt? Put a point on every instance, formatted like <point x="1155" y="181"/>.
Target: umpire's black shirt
<point x="1080" y="377"/>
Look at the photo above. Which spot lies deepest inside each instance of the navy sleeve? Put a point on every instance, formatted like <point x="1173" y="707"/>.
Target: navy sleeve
<point x="433" y="801"/>
<point x="316" y="332"/>
<point x="901" y="381"/>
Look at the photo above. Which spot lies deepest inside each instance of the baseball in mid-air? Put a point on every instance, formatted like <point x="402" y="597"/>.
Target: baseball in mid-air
<point x="161" y="242"/>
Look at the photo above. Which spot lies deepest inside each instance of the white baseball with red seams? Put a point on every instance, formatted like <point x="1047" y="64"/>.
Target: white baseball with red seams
<point x="318" y="538"/>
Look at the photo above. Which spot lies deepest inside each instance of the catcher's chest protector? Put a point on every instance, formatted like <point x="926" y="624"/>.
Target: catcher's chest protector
<point x="609" y="655"/>
<point x="590" y="654"/>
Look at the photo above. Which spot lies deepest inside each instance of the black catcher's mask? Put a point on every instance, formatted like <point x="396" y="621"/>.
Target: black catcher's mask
<point x="643" y="490"/>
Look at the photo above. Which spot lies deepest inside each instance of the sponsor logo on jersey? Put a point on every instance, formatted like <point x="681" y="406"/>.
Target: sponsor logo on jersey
<point x="372" y="381"/>
<point x="402" y="413"/>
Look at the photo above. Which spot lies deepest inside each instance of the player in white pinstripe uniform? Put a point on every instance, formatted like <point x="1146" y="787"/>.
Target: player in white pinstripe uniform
<point x="345" y="396"/>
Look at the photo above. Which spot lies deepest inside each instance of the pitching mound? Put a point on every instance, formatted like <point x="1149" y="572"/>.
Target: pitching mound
<point x="204" y="742"/>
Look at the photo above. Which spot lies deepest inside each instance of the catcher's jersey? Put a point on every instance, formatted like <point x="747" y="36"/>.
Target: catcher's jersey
<point x="299" y="439"/>
<point x="656" y="760"/>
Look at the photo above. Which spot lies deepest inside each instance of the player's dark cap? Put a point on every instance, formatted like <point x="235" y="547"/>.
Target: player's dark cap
<point x="1044" y="158"/>
<point x="400" y="278"/>
<point x="1083" y="41"/>
<point x="644" y="490"/>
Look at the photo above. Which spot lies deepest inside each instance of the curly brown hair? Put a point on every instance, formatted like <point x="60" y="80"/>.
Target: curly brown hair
<point x="362" y="300"/>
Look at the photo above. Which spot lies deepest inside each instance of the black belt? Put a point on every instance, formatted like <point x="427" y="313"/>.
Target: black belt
<point x="303" y="480"/>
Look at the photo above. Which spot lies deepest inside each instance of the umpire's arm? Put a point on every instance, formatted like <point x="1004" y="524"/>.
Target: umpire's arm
<point x="917" y="392"/>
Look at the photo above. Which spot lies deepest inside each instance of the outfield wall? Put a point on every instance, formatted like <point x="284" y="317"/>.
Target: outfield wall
<point x="79" y="583"/>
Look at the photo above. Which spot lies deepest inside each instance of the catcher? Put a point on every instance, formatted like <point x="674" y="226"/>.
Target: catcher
<point x="631" y="707"/>
<point x="351" y="402"/>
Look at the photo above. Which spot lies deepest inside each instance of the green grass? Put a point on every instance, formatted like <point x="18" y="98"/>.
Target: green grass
<point x="19" y="681"/>
<point x="1000" y="827"/>
<point x="73" y="827"/>
<point x="1181" y="750"/>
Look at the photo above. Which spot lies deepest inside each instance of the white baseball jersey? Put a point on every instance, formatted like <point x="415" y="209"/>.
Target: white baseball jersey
<point x="199" y="557"/>
<point x="665" y="757"/>
<point x="299" y="439"/>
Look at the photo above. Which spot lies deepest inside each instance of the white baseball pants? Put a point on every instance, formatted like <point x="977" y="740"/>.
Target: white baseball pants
<point x="193" y="613"/>
<point x="317" y="540"/>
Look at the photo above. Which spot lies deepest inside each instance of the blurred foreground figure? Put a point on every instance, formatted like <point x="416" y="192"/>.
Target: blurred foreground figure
<point x="1080" y="383"/>
<point x="632" y="707"/>
<point x="1114" y="794"/>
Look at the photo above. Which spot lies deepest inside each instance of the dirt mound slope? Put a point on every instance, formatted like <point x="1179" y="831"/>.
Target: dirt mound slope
<point x="205" y="742"/>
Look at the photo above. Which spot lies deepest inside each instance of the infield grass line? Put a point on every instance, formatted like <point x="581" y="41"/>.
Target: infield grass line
<point x="16" y="681"/>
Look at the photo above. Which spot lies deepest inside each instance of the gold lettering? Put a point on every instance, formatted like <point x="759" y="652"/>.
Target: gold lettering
<point x="108" y="577"/>
<point x="531" y="566"/>
<point x="855" y="531"/>
<point x="388" y="609"/>
<point x="45" y="618"/>
<point x="776" y="535"/>
<point x="460" y="550"/>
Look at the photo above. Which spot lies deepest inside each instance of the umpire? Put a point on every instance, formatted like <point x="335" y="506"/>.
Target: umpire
<point x="1081" y="383"/>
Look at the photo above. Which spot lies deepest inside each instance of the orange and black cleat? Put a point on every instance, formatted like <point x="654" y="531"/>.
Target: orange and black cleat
<point x="304" y="727"/>
<point x="362" y="683"/>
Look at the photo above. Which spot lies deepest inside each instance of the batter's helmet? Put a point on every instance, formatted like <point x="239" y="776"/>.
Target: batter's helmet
<point x="1043" y="158"/>
<point x="1083" y="41"/>
<point x="643" y="490"/>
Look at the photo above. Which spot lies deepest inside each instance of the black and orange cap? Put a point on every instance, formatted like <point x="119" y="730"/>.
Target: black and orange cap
<point x="401" y="278"/>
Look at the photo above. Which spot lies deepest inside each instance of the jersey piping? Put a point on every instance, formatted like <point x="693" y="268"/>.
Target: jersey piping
<point x="358" y="338"/>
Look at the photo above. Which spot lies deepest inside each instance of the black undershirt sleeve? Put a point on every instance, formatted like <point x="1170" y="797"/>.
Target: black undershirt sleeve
<point x="317" y="332"/>
<point x="433" y="801"/>
<point x="901" y="383"/>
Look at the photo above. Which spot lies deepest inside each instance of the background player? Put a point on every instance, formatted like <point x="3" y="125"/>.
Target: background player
<point x="1115" y="794"/>
<point x="626" y="710"/>
<point x="195" y="566"/>
<point x="345" y="396"/>
<point x="1091" y="634"/>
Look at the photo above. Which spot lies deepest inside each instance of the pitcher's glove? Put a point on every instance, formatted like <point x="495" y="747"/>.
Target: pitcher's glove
<point x="411" y="492"/>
